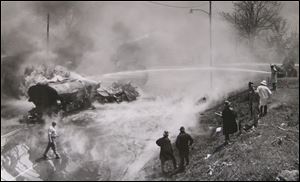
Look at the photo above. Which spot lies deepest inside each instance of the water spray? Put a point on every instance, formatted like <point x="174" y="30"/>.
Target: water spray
<point x="183" y="69"/>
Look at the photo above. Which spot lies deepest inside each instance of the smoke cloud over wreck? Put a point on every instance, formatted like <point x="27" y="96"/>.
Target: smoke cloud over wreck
<point x="109" y="36"/>
<point x="165" y="51"/>
<point x="113" y="36"/>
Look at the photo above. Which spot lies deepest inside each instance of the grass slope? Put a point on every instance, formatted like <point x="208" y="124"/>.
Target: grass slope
<point x="258" y="154"/>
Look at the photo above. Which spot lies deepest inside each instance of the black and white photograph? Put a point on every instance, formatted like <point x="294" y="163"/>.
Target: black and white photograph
<point x="149" y="90"/>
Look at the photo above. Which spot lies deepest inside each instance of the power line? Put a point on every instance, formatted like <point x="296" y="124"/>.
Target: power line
<point x="173" y="6"/>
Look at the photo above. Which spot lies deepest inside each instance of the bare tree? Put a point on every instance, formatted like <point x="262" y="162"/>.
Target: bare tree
<point x="251" y="17"/>
<point x="284" y="42"/>
<point x="278" y="37"/>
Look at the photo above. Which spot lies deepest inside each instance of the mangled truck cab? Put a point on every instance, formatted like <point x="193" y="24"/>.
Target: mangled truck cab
<point x="60" y="96"/>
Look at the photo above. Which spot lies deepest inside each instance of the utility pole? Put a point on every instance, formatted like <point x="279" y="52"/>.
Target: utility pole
<point x="236" y="38"/>
<point x="209" y="13"/>
<point x="210" y="46"/>
<point x="48" y="24"/>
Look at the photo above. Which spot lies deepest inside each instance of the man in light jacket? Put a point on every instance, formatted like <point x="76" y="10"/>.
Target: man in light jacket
<point x="264" y="94"/>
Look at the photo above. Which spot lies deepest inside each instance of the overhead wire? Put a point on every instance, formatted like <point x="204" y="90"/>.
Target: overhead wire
<point x="173" y="6"/>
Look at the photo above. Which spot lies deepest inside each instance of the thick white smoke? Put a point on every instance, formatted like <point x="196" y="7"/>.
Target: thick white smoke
<point x="95" y="38"/>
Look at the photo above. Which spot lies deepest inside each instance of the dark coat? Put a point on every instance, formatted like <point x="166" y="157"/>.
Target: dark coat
<point x="229" y="121"/>
<point x="253" y="96"/>
<point x="166" y="151"/>
<point x="183" y="142"/>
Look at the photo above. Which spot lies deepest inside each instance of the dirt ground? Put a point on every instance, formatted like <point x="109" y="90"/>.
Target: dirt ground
<point x="256" y="154"/>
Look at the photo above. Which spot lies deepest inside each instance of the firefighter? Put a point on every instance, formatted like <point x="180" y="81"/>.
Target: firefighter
<point x="229" y="121"/>
<point x="253" y="104"/>
<point x="251" y="91"/>
<point x="274" y="73"/>
<point x="264" y="94"/>
<point x="183" y="142"/>
<point x="52" y="135"/>
<point x="166" y="151"/>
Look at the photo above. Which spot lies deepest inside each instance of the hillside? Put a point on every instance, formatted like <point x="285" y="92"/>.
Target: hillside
<point x="256" y="154"/>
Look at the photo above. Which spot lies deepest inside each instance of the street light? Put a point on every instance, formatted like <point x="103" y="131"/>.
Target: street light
<point x="209" y="13"/>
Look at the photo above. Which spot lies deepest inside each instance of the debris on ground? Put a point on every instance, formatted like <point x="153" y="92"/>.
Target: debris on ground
<point x="219" y="129"/>
<point x="207" y="156"/>
<point x="210" y="170"/>
<point x="116" y="93"/>
<point x="202" y="100"/>
<point x="283" y="124"/>
<point x="287" y="175"/>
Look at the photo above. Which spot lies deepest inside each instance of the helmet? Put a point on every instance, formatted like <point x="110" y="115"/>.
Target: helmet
<point x="264" y="82"/>
<point x="182" y="128"/>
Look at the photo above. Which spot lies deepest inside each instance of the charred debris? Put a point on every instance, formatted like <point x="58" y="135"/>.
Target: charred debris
<point x="56" y="90"/>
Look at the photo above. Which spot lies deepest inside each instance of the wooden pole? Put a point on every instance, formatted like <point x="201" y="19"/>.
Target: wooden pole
<point x="48" y="28"/>
<point x="210" y="45"/>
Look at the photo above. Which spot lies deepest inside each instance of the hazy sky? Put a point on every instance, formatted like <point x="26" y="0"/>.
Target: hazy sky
<point x="96" y="32"/>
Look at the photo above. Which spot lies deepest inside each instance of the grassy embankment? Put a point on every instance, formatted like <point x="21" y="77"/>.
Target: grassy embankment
<point x="258" y="154"/>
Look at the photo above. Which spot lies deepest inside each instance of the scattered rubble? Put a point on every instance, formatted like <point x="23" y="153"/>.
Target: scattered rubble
<point x="217" y="166"/>
<point x="117" y="93"/>
<point x="287" y="175"/>
<point x="207" y="156"/>
<point x="283" y="125"/>
<point x="202" y="100"/>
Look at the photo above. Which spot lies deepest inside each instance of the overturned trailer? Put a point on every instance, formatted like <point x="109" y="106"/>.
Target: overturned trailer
<point x="67" y="96"/>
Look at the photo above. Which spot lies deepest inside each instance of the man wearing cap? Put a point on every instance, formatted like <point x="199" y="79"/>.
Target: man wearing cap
<point x="183" y="142"/>
<point x="264" y="94"/>
<point x="273" y="76"/>
<point x="52" y="134"/>
<point x="166" y="151"/>
<point x="229" y="121"/>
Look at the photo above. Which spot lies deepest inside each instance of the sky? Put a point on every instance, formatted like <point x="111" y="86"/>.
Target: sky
<point x="121" y="35"/>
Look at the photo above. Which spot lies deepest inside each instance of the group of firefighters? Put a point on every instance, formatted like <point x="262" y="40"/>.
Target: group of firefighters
<point x="183" y="143"/>
<point x="258" y="99"/>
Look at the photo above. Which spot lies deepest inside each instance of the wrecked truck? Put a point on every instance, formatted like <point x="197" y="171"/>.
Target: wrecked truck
<point x="72" y="95"/>
<point x="67" y="96"/>
<point x="116" y="93"/>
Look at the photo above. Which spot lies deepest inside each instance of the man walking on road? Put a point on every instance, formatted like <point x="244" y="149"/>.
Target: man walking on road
<point x="183" y="142"/>
<point x="52" y="134"/>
